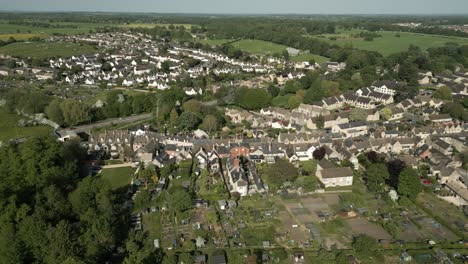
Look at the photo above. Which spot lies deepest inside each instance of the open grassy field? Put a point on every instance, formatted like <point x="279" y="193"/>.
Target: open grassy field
<point x="9" y="128"/>
<point x="151" y="25"/>
<point x="73" y="28"/>
<point x="118" y="177"/>
<point x="22" y="36"/>
<point x="258" y="46"/>
<point x="307" y="57"/>
<point x="262" y="47"/>
<point x="214" y="42"/>
<point x="43" y="50"/>
<point x="391" y="42"/>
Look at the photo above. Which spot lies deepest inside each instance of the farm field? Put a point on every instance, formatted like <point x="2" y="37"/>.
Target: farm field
<point x="214" y="42"/>
<point x="258" y="46"/>
<point x="22" y="36"/>
<point x="43" y="50"/>
<point x="9" y="128"/>
<point x="390" y="43"/>
<point x="118" y="177"/>
<point x="74" y="28"/>
<point x="151" y="25"/>
<point x="262" y="47"/>
<point x="307" y="57"/>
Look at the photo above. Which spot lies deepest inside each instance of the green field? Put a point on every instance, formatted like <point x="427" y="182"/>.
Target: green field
<point x="262" y="47"/>
<point x="151" y="25"/>
<point x="9" y="128"/>
<point x="214" y="42"/>
<point x="307" y="57"/>
<point x="258" y="46"/>
<point x="22" y="36"/>
<point x="390" y="43"/>
<point x="43" y="50"/>
<point x="75" y="28"/>
<point x="118" y="177"/>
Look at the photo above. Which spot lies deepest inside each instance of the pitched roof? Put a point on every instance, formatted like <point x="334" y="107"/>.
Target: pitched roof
<point x="337" y="173"/>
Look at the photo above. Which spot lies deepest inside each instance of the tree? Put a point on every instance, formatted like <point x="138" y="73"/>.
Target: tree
<point x="358" y="114"/>
<point x="74" y="112"/>
<point x="138" y="250"/>
<point x="173" y="118"/>
<point x="364" y="245"/>
<point x="279" y="172"/>
<point x="177" y="200"/>
<point x="185" y="258"/>
<point x="273" y="90"/>
<point x="169" y="259"/>
<point x="315" y="93"/>
<point x="409" y="183"/>
<point x="408" y="72"/>
<point x="443" y="93"/>
<point x="376" y="174"/>
<point x="61" y="243"/>
<point x="147" y="176"/>
<point x="188" y="121"/>
<point x="11" y="250"/>
<point x="386" y="113"/>
<point x="319" y="153"/>
<point x="454" y="109"/>
<point x="11" y="64"/>
<point x="294" y="101"/>
<point x="320" y="122"/>
<point x="210" y="123"/>
<point x="54" y="112"/>
<point x="254" y="98"/>
<point x="395" y="167"/>
<point x="107" y="67"/>
<point x="165" y="66"/>
<point x="193" y="106"/>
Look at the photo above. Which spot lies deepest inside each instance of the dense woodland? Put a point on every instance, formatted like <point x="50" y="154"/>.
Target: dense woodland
<point x="50" y="211"/>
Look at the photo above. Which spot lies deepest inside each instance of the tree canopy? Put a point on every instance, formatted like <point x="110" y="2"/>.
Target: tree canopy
<point x="409" y="183"/>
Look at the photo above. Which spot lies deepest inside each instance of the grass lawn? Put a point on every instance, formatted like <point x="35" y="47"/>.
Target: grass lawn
<point x="214" y="42"/>
<point x="152" y="224"/>
<point x="389" y="43"/>
<point x="43" y="50"/>
<point x="9" y="128"/>
<point x="118" y="177"/>
<point x="258" y="46"/>
<point x="262" y="47"/>
<point x="112" y="162"/>
<point x="307" y="57"/>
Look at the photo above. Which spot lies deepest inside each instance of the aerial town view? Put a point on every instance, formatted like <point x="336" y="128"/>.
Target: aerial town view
<point x="214" y="132"/>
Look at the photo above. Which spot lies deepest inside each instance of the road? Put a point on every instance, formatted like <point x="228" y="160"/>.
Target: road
<point x="105" y="123"/>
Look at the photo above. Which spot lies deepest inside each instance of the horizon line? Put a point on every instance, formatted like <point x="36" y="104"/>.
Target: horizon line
<point x="236" y="13"/>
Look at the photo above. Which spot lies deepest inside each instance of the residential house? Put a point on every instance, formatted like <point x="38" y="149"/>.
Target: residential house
<point x="192" y="91"/>
<point x="386" y="87"/>
<point x="332" y="176"/>
<point x="441" y="118"/>
<point x="237" y="177"/>
<point x="352" y="129"/>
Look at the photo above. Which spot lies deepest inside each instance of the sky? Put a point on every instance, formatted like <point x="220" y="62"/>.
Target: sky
<point x="244" y="6"/>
